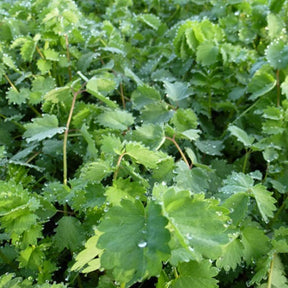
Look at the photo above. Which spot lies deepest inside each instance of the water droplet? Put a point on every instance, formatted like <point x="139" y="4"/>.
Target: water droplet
<point x="142" y="244"/>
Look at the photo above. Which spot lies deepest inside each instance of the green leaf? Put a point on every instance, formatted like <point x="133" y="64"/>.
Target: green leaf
<point x="86" y="256"/>
<point x="232" y="255"/>
<point x="194" y="180"/>
<point x="207" y="53"/>
<point x="116" y="119"/>
<point x="134" y="240"/>
<point x="91" y="149"/>
<point x="143" y="155"/>
<point x="42" y="128"/>
<point x="51" y="55"/>
<point x="255" y="242"/>
<point x="69" y="234"/>
<point x="261" y="83"/>
<point x="177" y="91"/>
<point x="277" y="56"/>
<point x="124" y="189"/>
<point x="275" y="25"/>
<point x="44" y="66"/>
<point x="264" y="200"/>
<point x="284" y="87"/>
<point x="237" y="183"/>
<point x="111" y="144"/>
<point x="144" y="95"/>
<point x="198" y="223"/>
<point x="184" y="119"/>
<point x="96" y="171"/>
<point x="17" y="97"/>
<point x="156" y="113"/>
<point x="280" y="240"/>
<point x="196" y="275"/>
<point x="241" y="135"/>
<point x="31" y="258"/>
<point x="151" y="20"/>
<point x="98" y="86"/>
<point x="148" y="134"/>
<point x="210" y="147"/>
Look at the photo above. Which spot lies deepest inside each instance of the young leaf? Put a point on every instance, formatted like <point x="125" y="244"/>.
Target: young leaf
<point x="69" y="234"/>
<point x="207" y="53"/>
<point x="151" y="20"/>
<point x="143" y="155"/>
<point x="42" y="128"/>
<point x="134" y="240"/>
<point x="116" y="119"/>
<point x="196" y="275"/>
<point x="86" y="256"/>
<point x="241" y="135"/>
<point x="277" y="54"/>
<point x="264" y="200"/>
<point x="96" y="171"/>
<point x="177" y="91"/>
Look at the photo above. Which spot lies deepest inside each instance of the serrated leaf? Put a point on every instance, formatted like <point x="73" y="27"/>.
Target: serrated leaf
<point x="184" y="119"/>
<point x="156" y="113"/>
<point x="134" y="240"/>
<point x="115" y="119"/>
<point x="255" y="242"/>
<point x="86" y="256"/>
<point x="237" y="183"/>
<point x="275" y="25"/>
<point x="96" y="171"/>
<point x="144" y="95"/>
<point x="197" y="275"/>
<point x="143" y="155"/>
<point x="17" y="97"/>
<point x="264" y="200"/>
<point x="111" y="144"/>
<point x="199" y="222"/>
<point x="232" y="255"/>
<point x="124" y="189"/>
<point x="261" y="83"/>
<point x="28" y="49"/>
<point x="151" y="20"/>
<point x="177" y="91"/>
<point x="31" y="258"/>
<point x="69" y="234"/>
<point x="42" y="128"/>
<point x="194" y="180"/>
<point x="241" y="135"/>
<point x="91" y="149"/>
<point x="210" y="147"/>
<point x="51" y="55"/>
<point x="44" y="66"/>
<point x="280" y="240"/>
<point x="148" y="134"/>
<point x="238" y="206"/>
<point x="207" y="53"/>
<point x="277" y="54"/>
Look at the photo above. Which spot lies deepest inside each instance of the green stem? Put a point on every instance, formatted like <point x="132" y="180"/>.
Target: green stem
<point x="269" y="283"/>
<point x="75" y="94"/>
<point x="122" y="96"/>
<point x="246" y="160"/>
<point x="210" y="103"/>
<point x="122" y="285"/>
<point x="11" y="83"/>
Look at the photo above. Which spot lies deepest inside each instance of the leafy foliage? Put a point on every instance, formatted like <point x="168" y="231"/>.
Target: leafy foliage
<point x="143" y="143"/>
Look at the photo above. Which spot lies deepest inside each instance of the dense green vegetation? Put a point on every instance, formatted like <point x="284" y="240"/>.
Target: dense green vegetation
<point x="143" y="143"/>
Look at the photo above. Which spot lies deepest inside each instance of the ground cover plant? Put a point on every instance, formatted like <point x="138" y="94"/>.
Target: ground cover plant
<point x="143" y="143"/>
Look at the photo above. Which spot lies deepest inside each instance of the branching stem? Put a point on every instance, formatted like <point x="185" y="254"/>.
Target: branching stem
<point x="118" y="165"/>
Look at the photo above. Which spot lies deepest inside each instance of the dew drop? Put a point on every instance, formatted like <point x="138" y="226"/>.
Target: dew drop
<point x="142" y="244"/>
